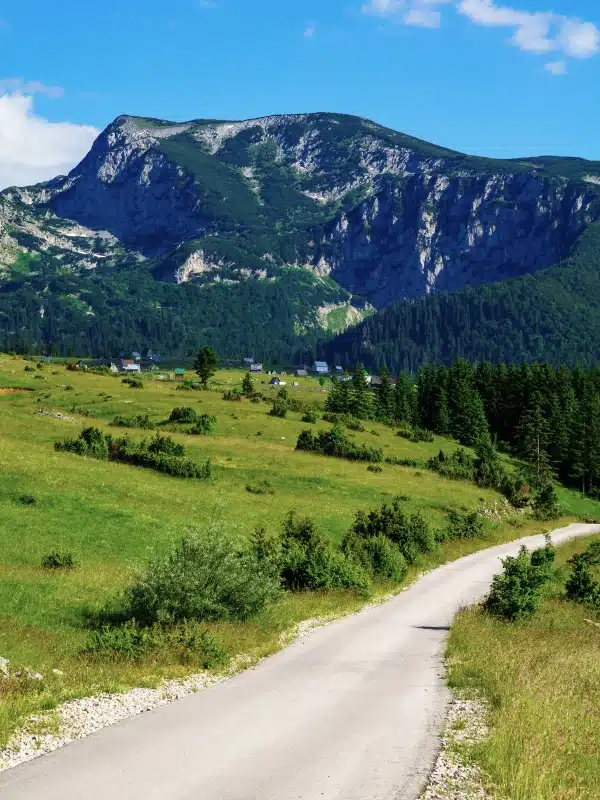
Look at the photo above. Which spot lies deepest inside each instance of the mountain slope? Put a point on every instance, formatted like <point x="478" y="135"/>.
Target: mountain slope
<point x="552" y="316"/>
<point x="370" y="217"/>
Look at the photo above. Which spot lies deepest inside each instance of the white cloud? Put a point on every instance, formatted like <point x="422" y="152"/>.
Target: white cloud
<point x="32" y="149"/>
<point x="310" y="30"/>
<point x="556" y="67"/>
<point x="533" y="31"/>
<point x="21" y="86"/>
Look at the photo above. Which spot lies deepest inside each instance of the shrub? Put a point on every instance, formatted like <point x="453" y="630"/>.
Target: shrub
<point x="421" y="435"/>
<point x="347" y="420"/>
<point x="160" y="453"/>
<point x="27" y="500"/>
<point x="260" y="487"/>
<point x="142" y="421"/>
<point x="28" y="368"/>
<point x="133" y="383"/>
<point x="58" y="560"/>
<point x="310" y="561"/>
<point x="205" y="425"/>
<point x="462" y="525"/>
<point x="378" y="555"/>
<point x="189" y="385"/>
<point x="411" y="533"/>
<point x="91" y="442"/>
<point x="232" y="395"/>
<point x="132" y="642"/>
<point x="374" y="468"/>
<point x="457" y="466"/>
<point x="516" y="490"/>
<point x="581" y="585"/>
<point x="206" y="576"/>
<point x="183" y="415"/>
<point x="545" y="503"/>
<point x="517" y="592"/>
<point x="335" y="443"/>
<point x="404" y="462"/>
<point x="310" y="417"/>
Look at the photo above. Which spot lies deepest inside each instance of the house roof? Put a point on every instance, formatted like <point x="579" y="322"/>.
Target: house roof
<point x="179" y="371"/>
<point x="127" y="362"/>
<point x="320" y="364"/>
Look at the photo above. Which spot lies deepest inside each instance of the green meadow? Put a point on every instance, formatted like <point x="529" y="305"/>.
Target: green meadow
<point x="114" y="517"/>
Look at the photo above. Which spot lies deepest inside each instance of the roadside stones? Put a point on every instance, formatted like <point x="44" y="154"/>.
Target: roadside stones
<point x="4" y="671"/>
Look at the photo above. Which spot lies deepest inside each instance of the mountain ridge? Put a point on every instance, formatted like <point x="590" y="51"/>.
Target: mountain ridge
<point x="370" y="215"/>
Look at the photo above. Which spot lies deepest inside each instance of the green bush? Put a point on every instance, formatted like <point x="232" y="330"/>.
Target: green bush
<point x="374" y="468"/>
<point x="142" y="421"/>
<point x="187" y="642"/>
<point x="27" y="500"/>
<point x="545" y="504"/>
<point x="378" y="555"/>
<point x="232" y="395"/>
<point x="161" y="453"/>
<point x="458" y="465"/>
<point x="133" y="383"/>
<point x="310" y="417"/>
<point x="206" y="576"/>
<point x="205" y="425"/>
<point x="335" y="443"/>
<point x="58" y="560"/>
<point x="517" y="592"/>
<point x="347" y="420"/>
<point x="404" y="462"/>
<point x="183" y="415"/>
<point x="309" y="560"/>
<point x="410" y="532"/>
<point x="462" y="525"/>
<point x="260" y="487"/>
<point x="581" y="586"/>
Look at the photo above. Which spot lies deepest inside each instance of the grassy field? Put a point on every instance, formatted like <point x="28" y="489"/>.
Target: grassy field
<point x="542" y="678"/>
<point x="113" y="517"/>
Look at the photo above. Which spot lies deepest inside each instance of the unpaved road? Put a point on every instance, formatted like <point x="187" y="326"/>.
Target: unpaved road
<point x="352" y="712"/>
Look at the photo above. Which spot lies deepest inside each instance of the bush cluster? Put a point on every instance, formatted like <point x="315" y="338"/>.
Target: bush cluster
<point x="58" y="560"/>
<point x="183" y="415"/>
<point x="405" y="462"/>
<point x="347" y="420"/>
<point x="518" y="590"/>
<point x="133" y="383"/>
<point x="142" y="421"/>
<point x="582" y="586"/>
<point x="260" y="487"/>
<point x="187" y="642"/>
<point x="462" y="525"/>
<point x="458" y="465"/>
<point x="335" y="443"/>
<point x="204" y="426"/>
<point x="160" y="453"/>
<point x="411" y="533"/>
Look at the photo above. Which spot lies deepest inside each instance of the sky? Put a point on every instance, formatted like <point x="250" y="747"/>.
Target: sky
<point x="480" y="76"/>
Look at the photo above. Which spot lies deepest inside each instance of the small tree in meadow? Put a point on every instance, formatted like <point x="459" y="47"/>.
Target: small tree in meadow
<point x="206" y="365"/>
<point x="247" y="385"/>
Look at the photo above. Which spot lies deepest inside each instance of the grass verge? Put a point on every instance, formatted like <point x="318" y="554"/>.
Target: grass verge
<point x="542" y="680"/>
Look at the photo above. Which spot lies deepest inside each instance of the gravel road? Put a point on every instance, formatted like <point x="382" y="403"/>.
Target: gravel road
<point x="352" y="711"/>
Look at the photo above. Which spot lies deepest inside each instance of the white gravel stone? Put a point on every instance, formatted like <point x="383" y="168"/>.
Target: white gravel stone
<point x="453" y="777"/>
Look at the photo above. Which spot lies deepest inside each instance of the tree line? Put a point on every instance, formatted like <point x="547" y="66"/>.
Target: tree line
<point x="549" y="418"/>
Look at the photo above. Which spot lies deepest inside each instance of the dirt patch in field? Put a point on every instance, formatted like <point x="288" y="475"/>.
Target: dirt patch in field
<point x="12" y="391"/>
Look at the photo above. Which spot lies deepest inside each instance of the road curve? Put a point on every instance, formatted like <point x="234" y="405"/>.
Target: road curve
<point x="352" y="712"/>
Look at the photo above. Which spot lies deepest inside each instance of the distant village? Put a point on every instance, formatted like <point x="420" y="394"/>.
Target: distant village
<point x="136" y="362"/>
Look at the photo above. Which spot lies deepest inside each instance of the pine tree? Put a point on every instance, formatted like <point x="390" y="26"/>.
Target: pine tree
<point x="247" y="385"/>
<point x="384" y="398"/>
<point x="401" y="403"/>
<point x="534" y="440"/>
<point x="468" y="422"/>
<point x="361" y="401"/>
<point x="206" y="364"/>
<point x="585" y="441"/>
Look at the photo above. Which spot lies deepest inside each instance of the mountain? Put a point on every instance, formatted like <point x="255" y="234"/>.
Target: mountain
<point x="298" y="226"/>
<point x="551" y="316"/>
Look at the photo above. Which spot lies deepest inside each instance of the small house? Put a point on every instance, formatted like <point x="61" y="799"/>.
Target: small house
<point x="113" y="368"/>
<point x="256" y="367"/>
<point x="374" y="380"/>
<point x="136" y="356"/>
<point x="179" y="372"/>
<point x="339" y="370"/>
<point x="302" y="373"/>
<point x="149" y="355"/>
<point x="320" y="368"/>
<point x="155" y="357"/>
<point x="127" y="365"/>
<point x="275" y="381"/>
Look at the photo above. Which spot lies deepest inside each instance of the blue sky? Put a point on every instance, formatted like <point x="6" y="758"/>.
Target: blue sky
<point x="482" y="76"/>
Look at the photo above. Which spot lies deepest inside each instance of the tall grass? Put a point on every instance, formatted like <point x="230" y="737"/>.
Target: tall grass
<point x="542" y="678"/>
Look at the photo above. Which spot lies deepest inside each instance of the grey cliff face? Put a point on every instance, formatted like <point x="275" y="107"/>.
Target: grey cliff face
<point x="404" y="218"/>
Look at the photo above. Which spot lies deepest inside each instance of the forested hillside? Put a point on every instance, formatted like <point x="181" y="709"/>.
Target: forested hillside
<point x="552" y="316"/>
